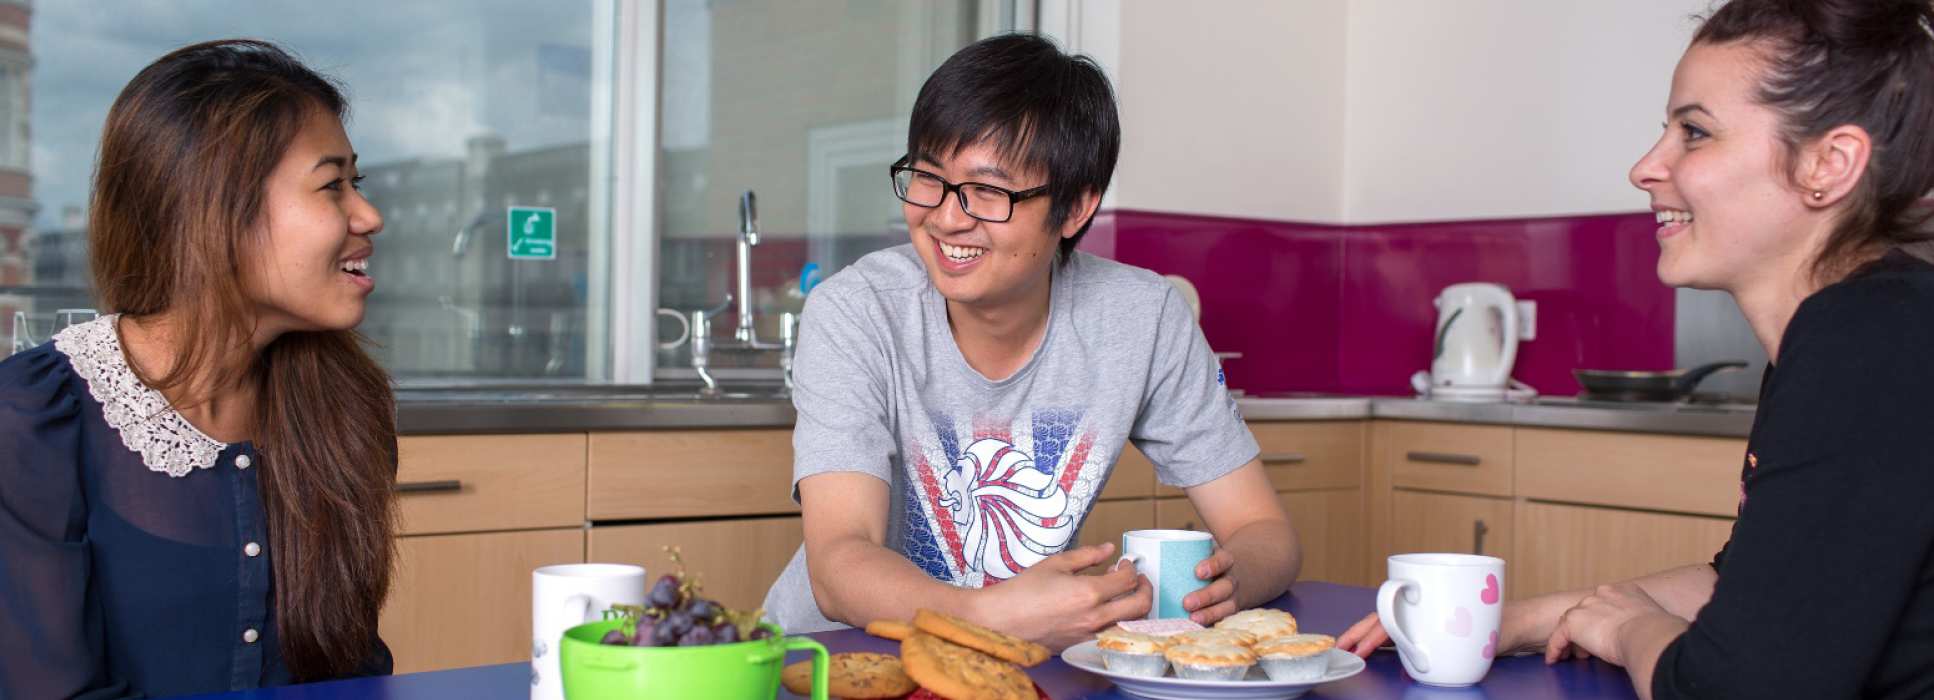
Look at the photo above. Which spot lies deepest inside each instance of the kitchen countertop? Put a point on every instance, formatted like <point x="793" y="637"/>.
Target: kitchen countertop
<point x="551" y="409"/>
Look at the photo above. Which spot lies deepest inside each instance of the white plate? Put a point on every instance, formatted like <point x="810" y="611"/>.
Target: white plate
<point x="1257" y="686"/>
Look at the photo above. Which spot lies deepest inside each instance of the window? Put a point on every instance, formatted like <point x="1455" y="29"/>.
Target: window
<point x="805" y="104"/>
<point x="639" y="122"/>
<point x="457" y="110"/>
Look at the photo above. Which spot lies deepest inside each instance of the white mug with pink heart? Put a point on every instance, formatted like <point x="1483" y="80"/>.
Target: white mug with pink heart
<point x="1442" y="611"/>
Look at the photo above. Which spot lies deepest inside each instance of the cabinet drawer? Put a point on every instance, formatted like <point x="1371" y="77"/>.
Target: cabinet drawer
<point x="1306" y="455"/>
<point x="1562" y="548"/>
<point x="471" y="483"/>
<point x="1134" y="476"/>
<point x="1472" y="459"/>
<point x="465" y="600"/>
<point x="736" y="560"/>
<point x="690" y="473"/>
<point x="1437" y="522"/>
<point x="1654" y="472"/>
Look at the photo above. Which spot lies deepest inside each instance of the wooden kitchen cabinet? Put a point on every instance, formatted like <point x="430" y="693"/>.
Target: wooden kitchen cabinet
<point x="1109" y="519"/>
<point x="1305" y="455"/>
<point x="736" y="560"/>
<point x="465" y="600"/>
<point x="1455" y="458"/>
<point x="689" y="473"/>
<point x="1177" y="514"/>
<point x="1134" y="476"/>
<point x="1631" y="470"/>
<point x="477" y="483"/>
<point x="1440" y="522"/>
<point x="1566" y="547"/>
<point x="1329" y="524"/>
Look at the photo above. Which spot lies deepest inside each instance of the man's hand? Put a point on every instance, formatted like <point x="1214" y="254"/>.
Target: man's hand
<point x="1051" y="604"/>
<point x="1218" y="599"/>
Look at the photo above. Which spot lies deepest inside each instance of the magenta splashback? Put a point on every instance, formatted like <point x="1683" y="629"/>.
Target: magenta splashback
<point x="1347" y="309"/>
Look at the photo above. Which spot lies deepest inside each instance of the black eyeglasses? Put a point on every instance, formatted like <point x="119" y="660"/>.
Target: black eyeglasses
<point x="989" y="203"/>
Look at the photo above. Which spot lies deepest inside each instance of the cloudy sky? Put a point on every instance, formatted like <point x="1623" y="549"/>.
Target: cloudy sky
<point x="421" y="77"/>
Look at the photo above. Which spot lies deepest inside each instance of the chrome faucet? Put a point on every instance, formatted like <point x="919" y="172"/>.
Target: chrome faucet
<point x="746" y="334"/>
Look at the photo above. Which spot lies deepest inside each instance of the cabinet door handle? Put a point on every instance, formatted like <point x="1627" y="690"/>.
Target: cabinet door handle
<point x="1478" y="531"/>
<point x="1444" y="458"/>
<point x="446" y="486"/>
<point x="1283" y="458"/>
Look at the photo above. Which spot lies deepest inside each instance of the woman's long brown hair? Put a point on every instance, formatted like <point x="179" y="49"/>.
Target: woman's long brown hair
<point x="176" y="215"/>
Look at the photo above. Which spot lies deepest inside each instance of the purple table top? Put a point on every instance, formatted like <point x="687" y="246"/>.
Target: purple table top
<point x="1319" y="607"/>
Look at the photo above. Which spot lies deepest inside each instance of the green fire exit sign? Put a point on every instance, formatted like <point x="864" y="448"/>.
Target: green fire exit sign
<point x="533" y="233"/>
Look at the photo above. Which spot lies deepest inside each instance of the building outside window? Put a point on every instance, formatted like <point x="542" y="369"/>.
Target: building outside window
<point x="633" y="124"/>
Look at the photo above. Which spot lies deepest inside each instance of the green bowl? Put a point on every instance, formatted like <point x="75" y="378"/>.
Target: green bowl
<point x="744" y="670"/>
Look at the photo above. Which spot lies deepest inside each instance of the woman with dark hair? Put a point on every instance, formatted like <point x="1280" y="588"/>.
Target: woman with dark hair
<point x="195" y="493"/>
<point x="1794" y="174"/>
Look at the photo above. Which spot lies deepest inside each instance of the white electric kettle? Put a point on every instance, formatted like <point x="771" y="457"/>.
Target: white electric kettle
<point x="1474" y="346"/>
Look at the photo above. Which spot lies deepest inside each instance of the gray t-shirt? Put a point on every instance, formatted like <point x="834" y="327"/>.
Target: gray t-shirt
<point x="989" y="477"/>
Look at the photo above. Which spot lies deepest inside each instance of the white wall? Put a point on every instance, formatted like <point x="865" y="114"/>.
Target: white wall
<point x="1504" y="108"/>
<point x="1366" y="111"/>
<point x="1234" y="111"/>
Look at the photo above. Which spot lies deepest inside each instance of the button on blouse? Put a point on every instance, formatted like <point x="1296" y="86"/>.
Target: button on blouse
<point x="128" y="563"/>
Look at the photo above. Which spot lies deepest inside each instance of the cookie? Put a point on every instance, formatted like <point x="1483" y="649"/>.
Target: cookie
<point x="857" y="675"/>
<point x="959" y="673"/>
<point x="998" y="645"/>
<point x="889" y="629"/>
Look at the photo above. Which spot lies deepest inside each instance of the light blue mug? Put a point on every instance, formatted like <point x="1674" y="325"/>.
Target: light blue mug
<point x="1168" y="558"/>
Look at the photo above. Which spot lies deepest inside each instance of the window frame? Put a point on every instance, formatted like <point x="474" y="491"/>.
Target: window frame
<point x="633" y="281"/>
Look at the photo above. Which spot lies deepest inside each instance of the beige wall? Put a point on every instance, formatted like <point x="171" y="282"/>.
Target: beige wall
<point x="1232" y="108"/>
<point x="1504" y="108"/>
<point x="1364" y="111"/>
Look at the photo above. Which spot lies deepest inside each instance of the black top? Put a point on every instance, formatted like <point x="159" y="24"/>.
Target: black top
<point x="134" y="554"/>
<point x="1826" y="589"/>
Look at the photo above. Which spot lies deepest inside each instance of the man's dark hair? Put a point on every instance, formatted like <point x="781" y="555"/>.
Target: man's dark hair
<point x="1039" y="108"/>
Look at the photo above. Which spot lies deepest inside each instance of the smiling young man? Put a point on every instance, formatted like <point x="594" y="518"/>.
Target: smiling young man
<point x="963" y="398"/>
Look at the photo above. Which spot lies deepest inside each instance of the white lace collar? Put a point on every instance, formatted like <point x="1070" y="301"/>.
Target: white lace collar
<point x="166" y="441"/>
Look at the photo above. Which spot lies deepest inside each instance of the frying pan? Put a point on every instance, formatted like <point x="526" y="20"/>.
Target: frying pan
<point x="1673" y="385"/>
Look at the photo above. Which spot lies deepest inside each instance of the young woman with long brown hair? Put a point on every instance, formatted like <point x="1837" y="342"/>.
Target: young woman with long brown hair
<point x="1795" y="174"/>
<point x="195" y="493"/>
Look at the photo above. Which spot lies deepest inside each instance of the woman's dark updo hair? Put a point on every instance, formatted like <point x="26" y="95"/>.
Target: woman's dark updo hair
<point x="1866" y="63"/>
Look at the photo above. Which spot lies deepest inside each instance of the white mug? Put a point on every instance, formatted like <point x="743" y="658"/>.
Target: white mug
<point x="568" y="595"/>
<point x="1442" y="611"/>
<point x="1168" y="558"/>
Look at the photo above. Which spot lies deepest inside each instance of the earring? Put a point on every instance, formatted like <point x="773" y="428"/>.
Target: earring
<point x="1818" y="195"/>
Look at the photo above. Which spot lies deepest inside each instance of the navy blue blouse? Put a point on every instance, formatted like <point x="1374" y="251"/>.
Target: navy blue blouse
<point x="134" y="553"/>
